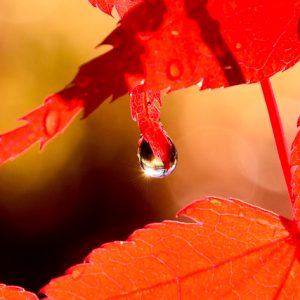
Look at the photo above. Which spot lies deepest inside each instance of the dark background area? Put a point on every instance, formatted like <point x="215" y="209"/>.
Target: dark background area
<point x="86" y="188"/>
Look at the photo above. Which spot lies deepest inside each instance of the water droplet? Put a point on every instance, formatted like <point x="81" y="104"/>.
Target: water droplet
<point x="238" y="46"/>
<point x="76" y="273"/>
<point x="153" y="166"/>
<point x="174" y="32"/>
<point x="216" y="202"/>
<point x="51" y="122"/>
<point x="174" y="70"/>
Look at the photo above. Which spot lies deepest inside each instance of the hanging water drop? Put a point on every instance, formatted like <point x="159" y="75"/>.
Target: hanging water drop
<point x="153" y="166"/>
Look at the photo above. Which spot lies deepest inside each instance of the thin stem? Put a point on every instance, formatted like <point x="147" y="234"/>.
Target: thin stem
<point x="277" y="132"/>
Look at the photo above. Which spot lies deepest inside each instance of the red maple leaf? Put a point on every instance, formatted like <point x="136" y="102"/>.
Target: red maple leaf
<point x="233" y="250"/>
<point x="172" y="45"/>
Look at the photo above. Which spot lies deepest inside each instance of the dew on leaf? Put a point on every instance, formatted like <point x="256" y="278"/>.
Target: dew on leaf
<point x="77" y="273"/>
<point x="174" y="69"/>
<point x="238" y="46"/>
<point x="216" y="202"/>
<point x="153" y="166"/>
<point x="51" y="122"/>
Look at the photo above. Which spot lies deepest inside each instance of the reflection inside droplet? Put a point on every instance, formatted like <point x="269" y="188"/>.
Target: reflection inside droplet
<point x="153" y="166"/>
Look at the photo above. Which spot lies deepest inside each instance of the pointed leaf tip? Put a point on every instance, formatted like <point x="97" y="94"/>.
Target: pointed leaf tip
<point x="105" y="6"/>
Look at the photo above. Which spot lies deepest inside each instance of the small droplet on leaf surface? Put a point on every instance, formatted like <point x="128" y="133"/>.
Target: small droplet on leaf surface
<point x="51" y="123"/>
<point x="238" y="46"/>
<point x="153" y="166"/>
<point x="76" y="273"/>
<point x="174" y="70"/>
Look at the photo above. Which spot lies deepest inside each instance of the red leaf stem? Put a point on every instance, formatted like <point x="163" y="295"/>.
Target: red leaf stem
<point x="277" y="132"/>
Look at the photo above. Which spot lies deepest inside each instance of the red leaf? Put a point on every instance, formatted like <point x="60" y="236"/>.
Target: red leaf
<point x="217" y="43"/>
<point x="233" y="250"/>
<point x="174" y="44"/>
<point x="15" y="293"/>
<point x="295" y="165"/>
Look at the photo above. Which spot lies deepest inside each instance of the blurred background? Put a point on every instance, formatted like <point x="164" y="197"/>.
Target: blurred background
<point x="86" y="187"/>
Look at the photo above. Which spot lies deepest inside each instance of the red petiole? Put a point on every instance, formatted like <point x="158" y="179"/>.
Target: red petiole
<point x="277" y="132"/>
